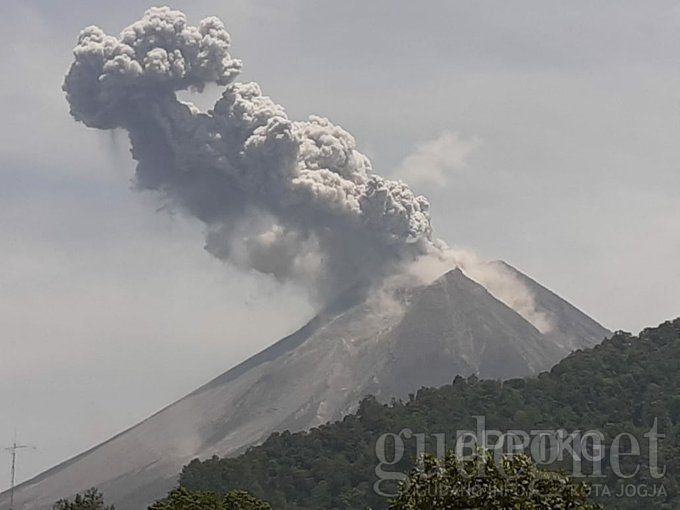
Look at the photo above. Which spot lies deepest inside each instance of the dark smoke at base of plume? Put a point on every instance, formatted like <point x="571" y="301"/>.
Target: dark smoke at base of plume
<point x="293" y="199"/>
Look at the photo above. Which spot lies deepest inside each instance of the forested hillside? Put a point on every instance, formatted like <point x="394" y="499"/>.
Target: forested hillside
<point x="622" y="385"/>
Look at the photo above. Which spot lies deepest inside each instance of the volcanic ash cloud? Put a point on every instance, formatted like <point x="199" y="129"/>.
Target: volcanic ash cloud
<point x="294" y="199"/>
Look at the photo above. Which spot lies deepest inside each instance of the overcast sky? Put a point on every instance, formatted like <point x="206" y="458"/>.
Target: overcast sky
<point x="544" y="133"/>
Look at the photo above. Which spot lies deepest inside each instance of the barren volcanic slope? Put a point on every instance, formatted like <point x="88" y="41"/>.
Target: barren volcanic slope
<point x="571" y="328"/>
<point x="363" y="344"/>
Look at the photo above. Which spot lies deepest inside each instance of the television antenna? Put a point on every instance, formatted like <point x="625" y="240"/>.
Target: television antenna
<point x="13" y="453"/>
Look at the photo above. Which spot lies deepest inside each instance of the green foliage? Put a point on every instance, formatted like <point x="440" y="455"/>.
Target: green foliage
<point x="184" y="499"/>
<point x="91" y="499"/>
<point x="482" y="483"/>
<point x="621" y="385"/>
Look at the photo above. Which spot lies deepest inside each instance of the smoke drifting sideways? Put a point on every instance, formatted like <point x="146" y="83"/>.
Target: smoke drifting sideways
<point x="293" y="199"/>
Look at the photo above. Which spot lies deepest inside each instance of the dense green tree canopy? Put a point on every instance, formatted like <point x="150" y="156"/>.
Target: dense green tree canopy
<point x="626" y="384"/>
<point x="482" y="483"/>
<point x="90" y="500"/>
<point x="184" y="499"/>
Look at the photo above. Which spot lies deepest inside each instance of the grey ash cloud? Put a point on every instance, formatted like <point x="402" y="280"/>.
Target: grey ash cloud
<point x="294" y="199"/>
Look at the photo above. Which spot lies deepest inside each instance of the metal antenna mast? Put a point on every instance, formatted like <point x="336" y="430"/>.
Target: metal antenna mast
<point x="13" y="452"/>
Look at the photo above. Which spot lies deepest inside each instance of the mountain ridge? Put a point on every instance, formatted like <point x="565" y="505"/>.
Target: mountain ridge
<point x="315" y="375"/>
<point x="335" y="465"/>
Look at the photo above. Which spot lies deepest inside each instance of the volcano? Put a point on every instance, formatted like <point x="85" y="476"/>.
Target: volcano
<point x="388" y="345"/>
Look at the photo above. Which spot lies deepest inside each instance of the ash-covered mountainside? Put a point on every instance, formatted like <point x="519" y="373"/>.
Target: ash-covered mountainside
<point x="335" y="466"/>
<point x="387" y="345"/>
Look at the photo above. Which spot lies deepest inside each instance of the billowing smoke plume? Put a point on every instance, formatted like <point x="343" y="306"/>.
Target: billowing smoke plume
<point x="294" y="199"/>
<point x="498" y="279"/>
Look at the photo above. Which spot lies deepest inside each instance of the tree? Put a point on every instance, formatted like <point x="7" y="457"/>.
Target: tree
<point x="184" y="499"/>
<point x="91" y="499"/>
<point x="583" y="392"/>
<point x="480" y="482"/>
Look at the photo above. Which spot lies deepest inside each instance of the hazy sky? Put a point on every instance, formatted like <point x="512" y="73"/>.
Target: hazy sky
<point x="545" y="133"/>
